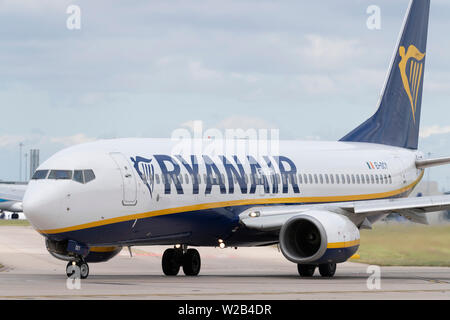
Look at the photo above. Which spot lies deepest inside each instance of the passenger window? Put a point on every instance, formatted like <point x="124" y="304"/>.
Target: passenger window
<point x="78" y="176"/>
<point x="337" y="179"/>
<point x="372" y="180"/>
<point x="60" y="174"/>
<point x="385" y="179"/>
<point x="321" y="178"/>
<point x="362" y="179"/>
<point x="300" y="180"/>
<point x="367" y="179"/>
<point x="180" y="177"/>
<point x="343" y="178"/>
<point x="40" y="174"/>
<point x="381" y="179"/>
<point x="157" y="178"/>
<point x="305" y="177"/>
<point x="348" y="179"/>
<point x="353" y="179"/>
<point x="186" y="178"/>
<point x="310" y="178"/>
<point x="293" y="177"/>
<point x="358" y="181"/>
<point x="316" y="181"/>
<point x="376" y="179"/>
<point x="327" y="181"/>
<point x="332" y="178"/>
<point x="390" y="179"/>
<point x="88" y="175"/>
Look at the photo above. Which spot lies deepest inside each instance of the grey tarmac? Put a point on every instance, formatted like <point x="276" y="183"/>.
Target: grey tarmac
<point x="30" y="272"/>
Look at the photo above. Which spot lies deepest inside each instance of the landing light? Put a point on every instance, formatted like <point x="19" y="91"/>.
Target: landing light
<point x="221" y="244"/>
<point x="254" y="214"/>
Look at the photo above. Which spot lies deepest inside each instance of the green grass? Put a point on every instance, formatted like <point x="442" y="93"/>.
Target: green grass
<point x="14" y="222"/>
<point x="405" y="245"/>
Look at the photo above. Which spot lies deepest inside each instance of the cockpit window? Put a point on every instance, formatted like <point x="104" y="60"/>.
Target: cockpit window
<point x="83" y="176"/>
<point x="39" y="175"/>
<point x="60" y="174"/>
<point x="88" y="175"/>
<point x="78" y="176"/>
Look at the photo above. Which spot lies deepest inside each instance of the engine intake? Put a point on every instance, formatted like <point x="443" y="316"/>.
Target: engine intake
<point x="318" y="237"/>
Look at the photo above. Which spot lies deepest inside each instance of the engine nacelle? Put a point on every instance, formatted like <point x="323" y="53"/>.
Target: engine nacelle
<point x="62" y="250"/>
<point x="316" y="237"/>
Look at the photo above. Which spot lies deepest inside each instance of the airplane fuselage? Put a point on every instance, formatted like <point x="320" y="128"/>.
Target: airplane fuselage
<point x="145" y="193"/>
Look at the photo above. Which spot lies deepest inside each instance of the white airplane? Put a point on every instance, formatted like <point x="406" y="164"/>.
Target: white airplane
<point x="311" y="198"/>
<point x="11" y="195"/>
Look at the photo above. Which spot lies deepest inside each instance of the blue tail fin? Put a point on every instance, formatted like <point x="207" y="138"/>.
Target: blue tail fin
<point x="396" y="122"/>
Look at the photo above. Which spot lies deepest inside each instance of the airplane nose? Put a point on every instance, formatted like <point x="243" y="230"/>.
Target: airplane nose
<point x="40" y="205"/>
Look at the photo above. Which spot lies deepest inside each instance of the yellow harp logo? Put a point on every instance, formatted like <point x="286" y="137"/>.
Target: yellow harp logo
<point x="411" y="81"/>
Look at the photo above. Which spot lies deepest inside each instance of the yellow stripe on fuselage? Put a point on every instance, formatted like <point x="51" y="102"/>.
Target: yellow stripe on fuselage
<point x="233" y="203"/>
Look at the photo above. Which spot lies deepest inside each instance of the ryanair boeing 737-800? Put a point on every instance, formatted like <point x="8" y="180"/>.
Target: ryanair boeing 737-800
<point x="311" y="198"/>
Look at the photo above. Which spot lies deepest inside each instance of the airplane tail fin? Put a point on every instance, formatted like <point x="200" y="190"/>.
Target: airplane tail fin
<point x="396" y="122"/>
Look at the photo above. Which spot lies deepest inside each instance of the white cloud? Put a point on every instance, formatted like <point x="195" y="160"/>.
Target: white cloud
<point x="24" y="6"/>
<point x="244" y="122"/>
<point x="199" y="72"/>
<point x="327" y="52"/>
<point x="72" y="140"/>
<point x="37" y="139"/>
<point x="433" y="130"/>
<point x="11" y="140"/>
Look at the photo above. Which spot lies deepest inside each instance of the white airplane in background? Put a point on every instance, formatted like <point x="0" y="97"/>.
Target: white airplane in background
<point x="11" y="195"/>
<point x="90" y="200"/>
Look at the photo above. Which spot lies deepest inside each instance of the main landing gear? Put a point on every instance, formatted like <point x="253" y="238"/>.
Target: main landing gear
<point x="77" y="269"/>
<point x="175" y="258"/>
<point x="326" y="270"/>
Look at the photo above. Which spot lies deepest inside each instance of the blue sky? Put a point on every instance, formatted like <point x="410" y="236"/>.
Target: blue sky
<point x="311" y="69"/>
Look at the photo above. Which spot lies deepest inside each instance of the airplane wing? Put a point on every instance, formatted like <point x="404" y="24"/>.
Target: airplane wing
<point x="427" y="163"/>
<point x="414" y="209"/>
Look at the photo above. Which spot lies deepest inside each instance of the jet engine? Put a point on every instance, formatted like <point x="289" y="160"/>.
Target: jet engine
<point x="316" y="237"/>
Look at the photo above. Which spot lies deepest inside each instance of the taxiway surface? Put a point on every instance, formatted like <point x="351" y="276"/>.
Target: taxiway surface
<point x="30" y="272"/>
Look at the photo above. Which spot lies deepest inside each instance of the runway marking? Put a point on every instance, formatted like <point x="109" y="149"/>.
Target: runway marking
<point x="223" y="294"/>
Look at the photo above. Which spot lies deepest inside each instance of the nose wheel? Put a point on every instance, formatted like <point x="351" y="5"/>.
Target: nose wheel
<point x="175" y="258"/>
<point x="77" y="269"/>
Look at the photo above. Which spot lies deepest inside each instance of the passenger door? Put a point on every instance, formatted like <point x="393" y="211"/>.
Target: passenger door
<point x="129" y="181"/>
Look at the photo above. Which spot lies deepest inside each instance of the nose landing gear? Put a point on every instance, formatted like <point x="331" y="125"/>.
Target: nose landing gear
<point x="77" y="268"/>
<point x="175" y="258"/>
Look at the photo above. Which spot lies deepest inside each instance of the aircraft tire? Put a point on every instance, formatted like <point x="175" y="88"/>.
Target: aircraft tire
<point x="191" y="262"/>
<point x="327" y="270"/>
<point x="171" y="262"/>
<point x="83" y="269"/>
<point x="306" y="270"/>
